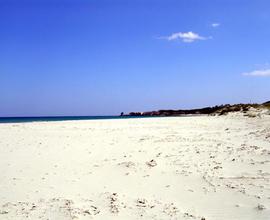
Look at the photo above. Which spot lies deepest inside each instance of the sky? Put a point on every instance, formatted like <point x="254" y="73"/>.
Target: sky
<point x="103" y="57"/>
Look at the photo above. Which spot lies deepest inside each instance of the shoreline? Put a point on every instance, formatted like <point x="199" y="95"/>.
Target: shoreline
<point x="6" y="120"/>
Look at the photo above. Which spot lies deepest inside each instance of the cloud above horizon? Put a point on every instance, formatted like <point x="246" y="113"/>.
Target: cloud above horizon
<point x="258" y="73"/>
<point x="186" y="37"/>
<point x="214" y="25"/>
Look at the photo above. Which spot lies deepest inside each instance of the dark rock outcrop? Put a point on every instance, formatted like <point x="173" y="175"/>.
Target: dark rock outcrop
<point x="267" y="104"/>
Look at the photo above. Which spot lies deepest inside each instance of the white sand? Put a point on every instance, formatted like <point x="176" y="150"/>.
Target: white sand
<point x="157" y="168"/>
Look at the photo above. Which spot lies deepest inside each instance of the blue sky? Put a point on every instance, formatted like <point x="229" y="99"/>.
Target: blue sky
<point x="101" y="57"/>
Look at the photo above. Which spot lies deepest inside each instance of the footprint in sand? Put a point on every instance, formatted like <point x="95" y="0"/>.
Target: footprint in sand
<point x="151" y="163"/>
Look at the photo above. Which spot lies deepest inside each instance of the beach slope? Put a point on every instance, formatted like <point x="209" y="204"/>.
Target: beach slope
<point x="203" y="167"/>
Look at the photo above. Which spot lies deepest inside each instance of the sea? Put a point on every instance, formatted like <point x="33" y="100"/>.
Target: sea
<point x="62" y="118"/>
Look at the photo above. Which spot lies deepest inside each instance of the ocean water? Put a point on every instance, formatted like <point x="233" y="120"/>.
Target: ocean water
<point x="62" y="118"/>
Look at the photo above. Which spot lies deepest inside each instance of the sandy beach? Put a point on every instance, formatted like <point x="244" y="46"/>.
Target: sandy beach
<point x="203" y="167"/>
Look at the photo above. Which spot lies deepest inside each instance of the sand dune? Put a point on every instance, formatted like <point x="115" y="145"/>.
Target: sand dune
<point x="204" y="167"/>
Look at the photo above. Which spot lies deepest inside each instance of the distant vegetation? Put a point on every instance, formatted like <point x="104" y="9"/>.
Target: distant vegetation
<point x="216" y="110"/>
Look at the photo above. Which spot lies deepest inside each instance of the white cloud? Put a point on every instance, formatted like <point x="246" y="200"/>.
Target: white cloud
<point x="187" y="37"/>
<point x="261" y="73"/>
<point x="214" y="25"/>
